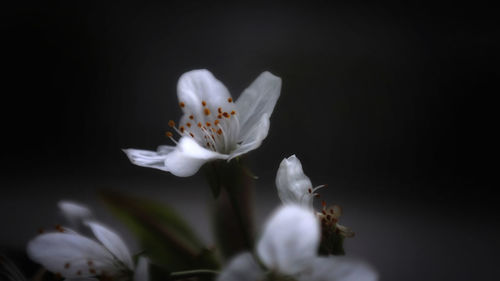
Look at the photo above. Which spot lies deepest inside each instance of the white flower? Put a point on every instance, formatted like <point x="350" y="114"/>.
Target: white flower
<point x="288" y="249"/>
<point x="72" y="255"/>
<point x="294" y="187"/>
<point x="212" y="125"/>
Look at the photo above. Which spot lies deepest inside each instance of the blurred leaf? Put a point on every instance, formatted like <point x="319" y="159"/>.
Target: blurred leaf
<point x="163" y="234"/>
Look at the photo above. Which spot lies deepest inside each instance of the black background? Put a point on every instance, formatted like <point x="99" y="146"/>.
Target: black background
<point x="390" y="104"/>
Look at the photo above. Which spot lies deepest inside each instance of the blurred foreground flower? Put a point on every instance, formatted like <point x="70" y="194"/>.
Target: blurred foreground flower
<point x="69" y="254"/>
<point x="288" y="251"/>
<point x="294" y="187"/>
<point x="213" y="126"/>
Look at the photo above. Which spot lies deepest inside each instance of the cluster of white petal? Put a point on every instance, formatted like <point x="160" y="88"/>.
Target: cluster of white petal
<point x="288" y="247"/>
<point x="75" y="256"/>
<point x="213" y="126"/>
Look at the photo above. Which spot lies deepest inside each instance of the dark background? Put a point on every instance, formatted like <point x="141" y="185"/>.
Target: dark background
<point x="389" y="104"/>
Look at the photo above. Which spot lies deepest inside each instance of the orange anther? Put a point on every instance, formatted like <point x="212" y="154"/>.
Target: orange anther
<point x="204" y="103"/>
<point x="206" y="111"/>
<point x="181" y="104"/>
<point x="168" y="134"/>
<point x="229" y="100"/>
<point x="191" y="117"/>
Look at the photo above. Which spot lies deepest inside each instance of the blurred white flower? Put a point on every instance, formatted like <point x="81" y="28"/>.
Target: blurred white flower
<point x="67" y="253"/>
<point x="294" y="187"/>
<point x="213" y="126"/>
<point x="288" y="251"/>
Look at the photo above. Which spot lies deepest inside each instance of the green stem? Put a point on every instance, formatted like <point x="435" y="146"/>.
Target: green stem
<point x="235" y="204"/>
<point x="191" y="273"/>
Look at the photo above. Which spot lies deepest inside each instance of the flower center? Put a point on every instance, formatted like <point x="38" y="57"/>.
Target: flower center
<point x="216" y="128"/>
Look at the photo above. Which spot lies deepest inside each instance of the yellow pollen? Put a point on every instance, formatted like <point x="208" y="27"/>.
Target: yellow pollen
<point x="225" y="114"/>
<point x="229" y="100"/>
<point x="219" y="132"/>
<point x="171" y="123"/>
<point x="199" y="124"/>
<point x="216" y="122"/>
<point x="181" y="104"/>
<point x="204" y="103"/>
<point x="207" y="111"/>
<point x="208" y="124"/>
<point x="168" y="134"/>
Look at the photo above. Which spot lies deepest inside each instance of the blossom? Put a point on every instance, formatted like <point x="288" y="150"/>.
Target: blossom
<point x="288" y="249"/>
<point x="294" y="187"/>
<point x="213" y="125"/>
<point x="70" y="254"/>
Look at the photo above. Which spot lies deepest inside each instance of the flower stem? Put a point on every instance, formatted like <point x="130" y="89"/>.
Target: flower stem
<point x="233" y="206"/>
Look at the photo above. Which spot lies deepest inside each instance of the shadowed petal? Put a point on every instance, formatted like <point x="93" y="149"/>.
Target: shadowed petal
<point x="113" y="242"/>
<point x="149" y="159"/>
<point x="197" y="86"/>
<point x="254" y="137"/>
<point x="74" y="213"/>
<point x="142" y="270"/>
<point x="188" y="157"/>
<point x="258" y="99"/>
<point x="337" y="269"/>
<point x="71" y="255"/>
<point x="290" y="238"/>
<point x="292" y="184"/>
<point x="242" y="268"/>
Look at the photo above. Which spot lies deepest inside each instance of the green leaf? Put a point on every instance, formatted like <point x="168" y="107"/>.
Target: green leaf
<point x="163" y="234"/>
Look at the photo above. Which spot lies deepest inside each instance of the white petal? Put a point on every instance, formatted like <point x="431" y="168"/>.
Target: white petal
<point x="113" y="242"/>
<point x="149" y="159"/>
<point x="338" y="269"/>
<point x="69" y="254"/>
<point x="74" y="213"/>
<point x="197" y="86"/>
<point x="292" y="184"/>
<point x="290" y="238"/>
<point x="258" y="99"/>
<point x="188" y="157"/>
<point x="242" y="268"/>
<point x="254" y="137"/>
<point x="142" y="270"/>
